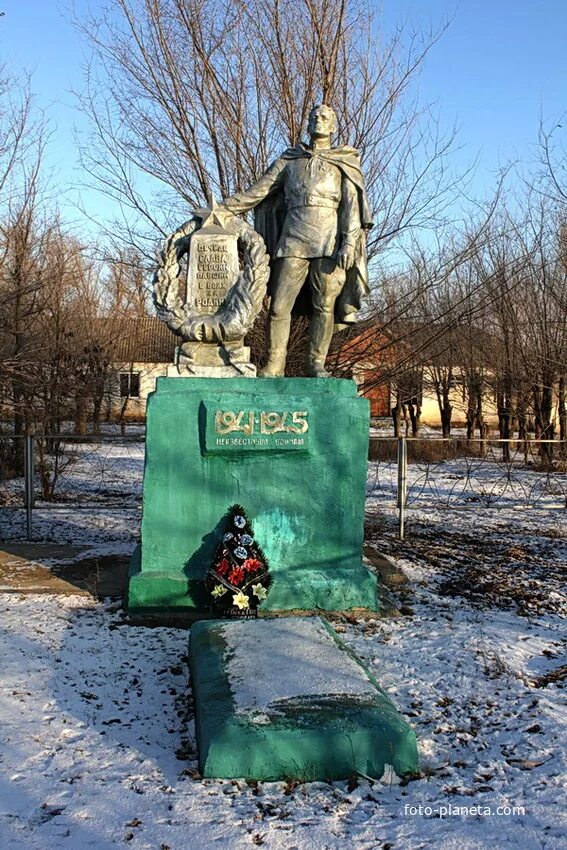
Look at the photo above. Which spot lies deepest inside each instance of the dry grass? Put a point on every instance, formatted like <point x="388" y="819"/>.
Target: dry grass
<point x="424" y="450"/>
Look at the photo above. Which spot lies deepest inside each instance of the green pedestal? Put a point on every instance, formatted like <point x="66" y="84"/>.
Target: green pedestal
<point x="292" y="451"/>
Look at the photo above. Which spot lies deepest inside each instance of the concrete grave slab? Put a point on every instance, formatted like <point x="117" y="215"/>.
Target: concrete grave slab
<point x="285" y="698"/>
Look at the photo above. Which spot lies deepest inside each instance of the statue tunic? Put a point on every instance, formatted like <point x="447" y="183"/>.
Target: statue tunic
<point x="322" y="207"/>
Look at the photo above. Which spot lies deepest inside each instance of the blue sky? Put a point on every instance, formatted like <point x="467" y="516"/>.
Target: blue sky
<point x="499" y="66"/>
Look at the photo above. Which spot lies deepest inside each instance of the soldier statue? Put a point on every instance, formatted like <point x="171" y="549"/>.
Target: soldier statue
<point x="312" y="211"/>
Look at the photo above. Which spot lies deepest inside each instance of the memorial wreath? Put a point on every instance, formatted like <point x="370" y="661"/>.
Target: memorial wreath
<point x="239" y="579"/>
<point x="235" y="316"/>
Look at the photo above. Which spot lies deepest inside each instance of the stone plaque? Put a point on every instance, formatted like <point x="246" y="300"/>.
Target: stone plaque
<point x="215" y="305"/>
<point x="212" y="270"/>
<point x="270" y="429"/>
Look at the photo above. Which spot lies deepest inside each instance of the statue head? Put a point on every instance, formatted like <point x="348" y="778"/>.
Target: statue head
<point x="322" y="121"/>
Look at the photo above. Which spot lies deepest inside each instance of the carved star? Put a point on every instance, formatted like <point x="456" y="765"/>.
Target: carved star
<point x="215" y="215"/>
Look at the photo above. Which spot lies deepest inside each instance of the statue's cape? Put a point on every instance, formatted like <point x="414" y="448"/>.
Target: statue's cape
<point x="269" y="217"/>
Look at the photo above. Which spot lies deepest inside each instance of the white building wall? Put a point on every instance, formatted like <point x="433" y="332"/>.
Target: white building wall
<point x="135" y="407"/>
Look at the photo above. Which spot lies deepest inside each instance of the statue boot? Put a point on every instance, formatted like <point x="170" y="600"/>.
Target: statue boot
<point x="279" y="336"/>
<point x="321" y="333"/>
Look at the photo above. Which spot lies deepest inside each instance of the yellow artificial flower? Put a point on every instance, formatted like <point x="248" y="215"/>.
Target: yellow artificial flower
<point x="240" y="600"/>
<point x="259" y="591"/>
<point x="218" y="591"/>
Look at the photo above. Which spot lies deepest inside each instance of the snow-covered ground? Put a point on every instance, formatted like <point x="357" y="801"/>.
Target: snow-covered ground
<point x="97" y="739"/>
<point x="98" y="494"/>
<point x="98" y="747"/>
<point x="98" y="498"/>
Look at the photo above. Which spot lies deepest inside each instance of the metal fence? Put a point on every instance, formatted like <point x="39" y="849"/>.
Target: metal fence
<point x="456" y="473"/>
<point x="58" y="472"/>
<point x="55" y="472"/>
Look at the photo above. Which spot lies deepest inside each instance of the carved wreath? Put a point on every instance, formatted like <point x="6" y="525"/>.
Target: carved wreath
<point x="235" y="316"/>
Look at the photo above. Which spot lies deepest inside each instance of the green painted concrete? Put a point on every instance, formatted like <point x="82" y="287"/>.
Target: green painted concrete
<point x="323" y="738"/>
<point x="305" y="501"/>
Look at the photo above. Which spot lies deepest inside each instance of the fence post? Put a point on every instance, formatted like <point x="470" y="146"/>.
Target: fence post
<point x="28" y="480"/>
<point x="402" y="483"/>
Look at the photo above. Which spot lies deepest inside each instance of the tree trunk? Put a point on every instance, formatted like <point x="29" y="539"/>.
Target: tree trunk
<point x="522" y="407"/>
<point x="443" y="382"/>
<point x="97" y="406"/>
<point x="471" y="409"/>
<point x="81" y="417"/>
<point x="544" y="422"/>
<point x="19" y="428"/>
<point x="397" y="417"/>
<point x="123" y="415"/>
<point x="504" y="403"/>
<point x="562" y="411"/>
<point x="504" y="429"/>
<point x="538" y="428"/>
<point x="446" y="416"/>
<point x="414" y="409"/>
<point x="475" y="400"/>
<point x="484" y="434"/>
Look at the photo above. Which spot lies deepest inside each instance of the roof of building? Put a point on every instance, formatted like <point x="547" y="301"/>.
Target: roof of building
<point x="143" y="340"/>
<point x="433" y="343"/>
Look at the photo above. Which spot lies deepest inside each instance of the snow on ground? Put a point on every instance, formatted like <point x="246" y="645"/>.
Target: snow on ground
<point x="99" y="493"/>
<point x="102" y="531"/>
<point x="98" y="747"/>
<point x="98" y="499"/>
<point x="95" y="716"/>
<point x="97" y="732"/>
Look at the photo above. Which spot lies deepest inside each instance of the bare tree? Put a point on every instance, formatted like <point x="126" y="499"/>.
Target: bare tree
<point x="192" y="99"/>
<point x="22" y="140"/>
<point x="22" y="269"/>
<point x="523" y="275"/>
<point x="550" y="179"/>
